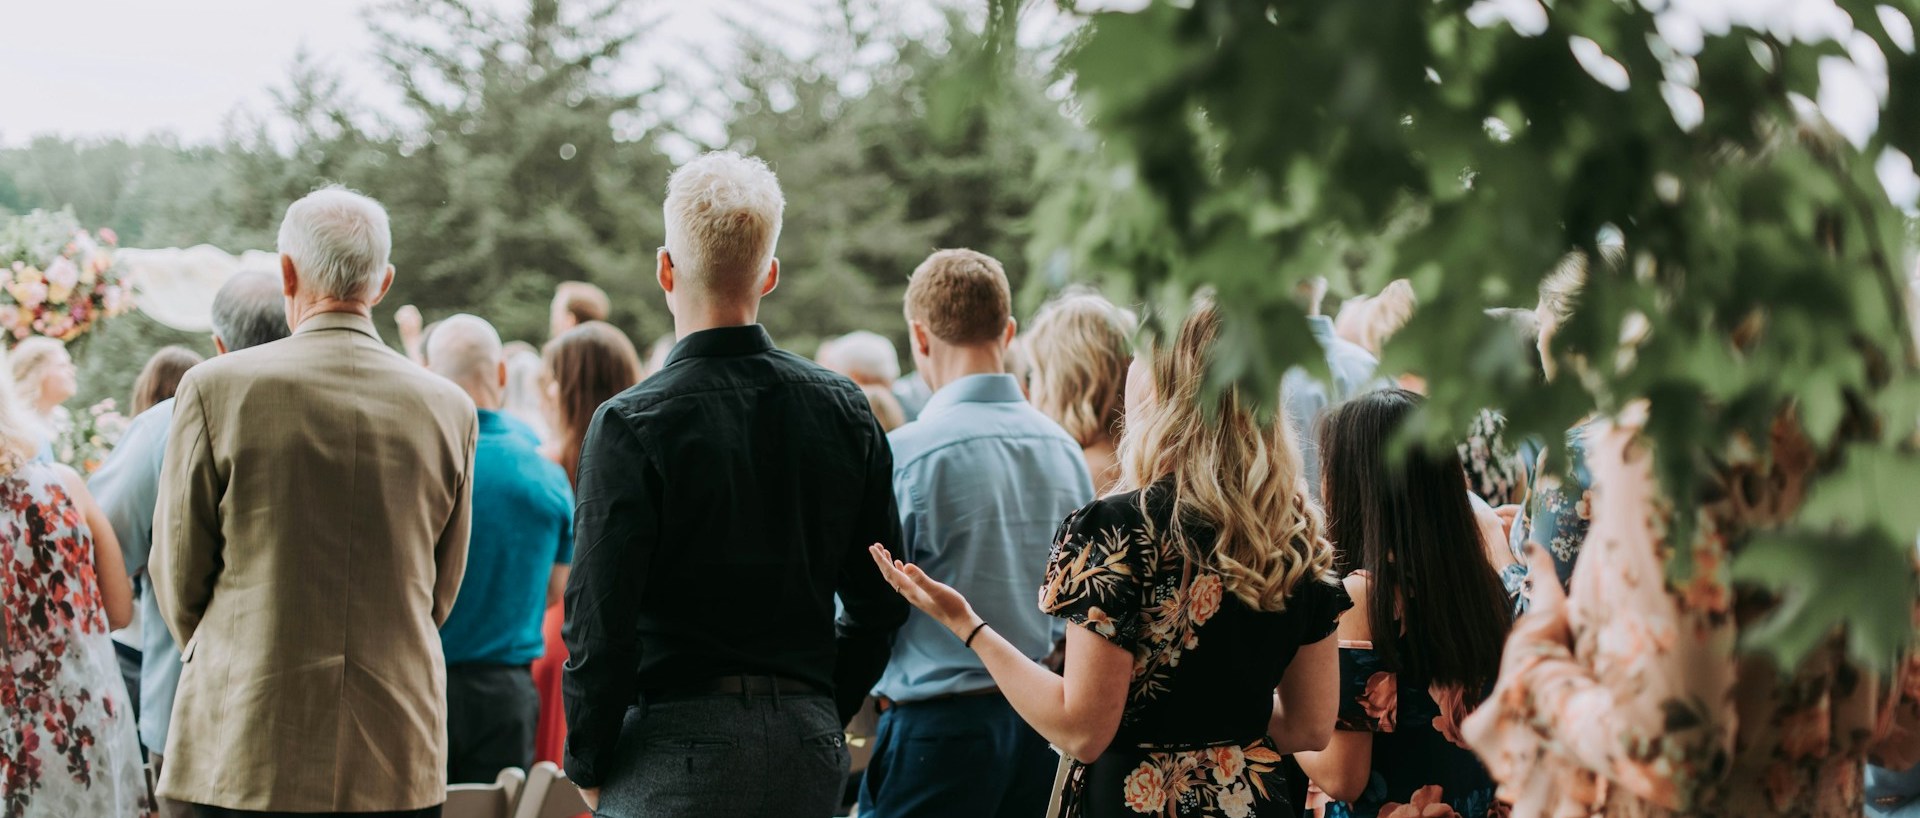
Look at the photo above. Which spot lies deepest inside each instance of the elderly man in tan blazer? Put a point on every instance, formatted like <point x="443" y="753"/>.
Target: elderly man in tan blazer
<point x="309" y="539"/>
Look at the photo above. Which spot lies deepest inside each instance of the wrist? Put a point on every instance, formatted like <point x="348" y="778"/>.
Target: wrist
<point x="964" y="624"/>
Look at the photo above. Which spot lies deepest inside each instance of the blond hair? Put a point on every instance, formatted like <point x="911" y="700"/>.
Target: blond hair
<point x="1230" y="471"/>
<point x="1369" y="321"/>
<point x="18" y="440"/>
<point x="723" y="214"/>
<point x="1078" y="350"/>
<point x="30" y="359"/>
<point x="961" y="296"/>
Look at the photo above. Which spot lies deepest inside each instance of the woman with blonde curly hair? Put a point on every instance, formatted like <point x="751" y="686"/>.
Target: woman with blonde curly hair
<point x="1202" y="603"/>
<point x="1078" y="350"/>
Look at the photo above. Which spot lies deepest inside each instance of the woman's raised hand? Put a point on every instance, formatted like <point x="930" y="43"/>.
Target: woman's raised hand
<point x="937" y="599"/>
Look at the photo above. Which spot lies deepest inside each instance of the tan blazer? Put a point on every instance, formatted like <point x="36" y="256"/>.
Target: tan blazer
<point x="310" y="536"/>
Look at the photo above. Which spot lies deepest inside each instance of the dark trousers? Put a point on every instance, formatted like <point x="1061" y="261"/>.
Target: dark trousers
<point x="965" y="756"/>
<point x="491" y="712"/>
<point x="733" y="755"/>
<point x="204" y="811"/>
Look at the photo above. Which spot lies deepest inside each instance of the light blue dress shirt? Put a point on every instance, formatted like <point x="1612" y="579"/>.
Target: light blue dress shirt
<point x="127" y="487"/>
<point x="1307" y="398"/>
<point x="983" y="481"/>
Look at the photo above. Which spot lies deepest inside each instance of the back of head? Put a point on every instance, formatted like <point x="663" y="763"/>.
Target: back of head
<point x="961" y="297"/>
<point x="18" y="442"/>
<point x="160" y="378"/>
<point x="339" y="242"/>
<point x="587" y="366"/>
<point x="723" y="213"/>
<point x="583" y="301"/>
<point x="866" y="357"/>
<point x="30" y="359"/>
<point x="1230" y="471"/>
<point x="1078" y="349"/>
<point x="1401" y="513"/>
<point x="466" y="349"/>
<point x="249" y="310"/>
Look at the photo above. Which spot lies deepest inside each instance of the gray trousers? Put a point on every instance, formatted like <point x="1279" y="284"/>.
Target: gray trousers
<point x="728" y="756"/>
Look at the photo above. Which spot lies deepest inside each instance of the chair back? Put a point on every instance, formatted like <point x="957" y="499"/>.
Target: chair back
<point x="548" y="794"/>
<point x="494" y="800"/>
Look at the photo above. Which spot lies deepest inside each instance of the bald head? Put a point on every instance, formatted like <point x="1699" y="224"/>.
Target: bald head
<point x="466" y="350"/>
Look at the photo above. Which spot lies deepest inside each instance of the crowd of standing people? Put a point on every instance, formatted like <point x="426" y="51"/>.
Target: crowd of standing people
<point x="360" y="575"/>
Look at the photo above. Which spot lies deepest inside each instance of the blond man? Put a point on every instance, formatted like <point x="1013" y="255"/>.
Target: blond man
<point x="724" y="502"/>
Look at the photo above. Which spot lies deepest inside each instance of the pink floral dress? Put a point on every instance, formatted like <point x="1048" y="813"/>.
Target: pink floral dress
<point x="67" y="742"/>
<point x="1192" y="741"/>
<point x="1631" y="699"/>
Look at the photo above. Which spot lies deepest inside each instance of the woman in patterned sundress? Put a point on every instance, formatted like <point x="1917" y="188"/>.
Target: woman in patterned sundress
<point x="1202" y="603"/>
<point x="1422" y="645"/>
<point x="67" y="742"/>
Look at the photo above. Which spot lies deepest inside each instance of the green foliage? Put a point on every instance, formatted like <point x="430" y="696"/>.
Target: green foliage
<point x="1247" y="146"/>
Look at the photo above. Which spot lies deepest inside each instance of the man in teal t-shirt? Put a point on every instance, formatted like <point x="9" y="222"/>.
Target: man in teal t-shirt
<point x="517" y="558"/>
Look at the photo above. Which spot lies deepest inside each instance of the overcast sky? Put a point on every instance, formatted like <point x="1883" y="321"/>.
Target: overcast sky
<point x="137" y="67"/>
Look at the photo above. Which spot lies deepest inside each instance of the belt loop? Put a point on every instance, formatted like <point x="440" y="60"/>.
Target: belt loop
<point x="746" y="692"/>
<point x="775" y="684"/>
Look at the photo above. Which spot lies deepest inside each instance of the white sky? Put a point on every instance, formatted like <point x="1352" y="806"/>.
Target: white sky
<point x="139" y="67"/>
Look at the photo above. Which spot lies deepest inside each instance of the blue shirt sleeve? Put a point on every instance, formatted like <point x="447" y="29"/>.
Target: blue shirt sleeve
<point x="127" y="486"/>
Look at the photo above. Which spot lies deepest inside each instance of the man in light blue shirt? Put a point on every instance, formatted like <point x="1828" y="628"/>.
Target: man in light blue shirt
<point x="983" y="481"/>
<point x="248" y="311"/>
<point x="1306" y="398"/>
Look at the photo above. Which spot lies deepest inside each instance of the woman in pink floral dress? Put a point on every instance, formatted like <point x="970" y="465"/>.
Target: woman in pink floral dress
<point x="1201" y="604"/>
<point x="1626" y="695"/>
<point x="67" y="744"/>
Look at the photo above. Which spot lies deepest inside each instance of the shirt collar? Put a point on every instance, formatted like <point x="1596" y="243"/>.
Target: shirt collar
<point x="751" y="339"/>
<point x="339" y="320"/>
<point x="491" y="420"/>
<point x="984" y="388"/>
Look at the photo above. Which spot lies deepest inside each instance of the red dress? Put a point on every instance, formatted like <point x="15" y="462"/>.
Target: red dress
<point x="550" y="731"/>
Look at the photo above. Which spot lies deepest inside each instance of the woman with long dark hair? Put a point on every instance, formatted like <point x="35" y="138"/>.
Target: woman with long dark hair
<point x="1422" y="644"/>
<point x="583" y="368"/>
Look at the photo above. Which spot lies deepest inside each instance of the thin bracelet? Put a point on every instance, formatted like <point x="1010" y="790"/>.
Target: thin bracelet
<point x="976" y="632"/>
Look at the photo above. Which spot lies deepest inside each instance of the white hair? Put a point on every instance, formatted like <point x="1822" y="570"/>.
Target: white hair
<point x="339" y="242"/>
<point x="866" y="357"/>
<point x="723" y="220"/>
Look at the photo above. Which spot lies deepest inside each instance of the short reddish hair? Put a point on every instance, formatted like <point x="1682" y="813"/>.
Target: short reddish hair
<point x="961" y="296"/>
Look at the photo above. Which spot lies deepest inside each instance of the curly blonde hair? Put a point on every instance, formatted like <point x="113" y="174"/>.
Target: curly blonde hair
<point x="1231" y="472"/>
<point x="1078" y="351"/>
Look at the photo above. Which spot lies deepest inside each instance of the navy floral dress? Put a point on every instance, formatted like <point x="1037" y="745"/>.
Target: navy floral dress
<point x="1192" y="741"/>
<point x="1559" y="511"/>
<point x="1420" y="767"/>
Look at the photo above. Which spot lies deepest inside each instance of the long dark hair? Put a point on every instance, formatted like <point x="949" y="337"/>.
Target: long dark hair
<point x="1437" y="607"/>
<point x="589" y="364"/>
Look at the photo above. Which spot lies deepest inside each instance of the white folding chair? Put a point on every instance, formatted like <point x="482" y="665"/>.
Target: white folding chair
<point x="548" y="794"/>
<point x="494" y="800"/>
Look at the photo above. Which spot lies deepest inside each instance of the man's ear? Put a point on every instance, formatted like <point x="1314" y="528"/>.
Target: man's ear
<point x="501" y="380"/>
<point x="773" y="278"/>
<point x="1013" y="328"/>
<point x="386" y="283"/>
<point x="289" y="280"/>
<point x="665" y="272"/>
<point x="918" y="336"/>
<point x="219" y="346"/>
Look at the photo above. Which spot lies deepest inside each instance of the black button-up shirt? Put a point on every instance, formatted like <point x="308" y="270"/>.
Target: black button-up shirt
<point x="722" y="503"/>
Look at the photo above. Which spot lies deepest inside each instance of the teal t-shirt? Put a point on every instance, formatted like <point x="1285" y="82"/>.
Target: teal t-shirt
<point x="522" y="527"/>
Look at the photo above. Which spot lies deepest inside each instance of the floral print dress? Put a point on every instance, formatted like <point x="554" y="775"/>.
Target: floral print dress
<point x="1558" y="512"/>
<point x="1192" y="741"/>
<point x="1421" y="766"/>
<point x="1630" y="699"/>
<point x="67" y="742"/>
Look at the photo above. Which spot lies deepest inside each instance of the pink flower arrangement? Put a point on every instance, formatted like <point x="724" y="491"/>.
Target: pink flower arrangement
<point x="57" y="279"/>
